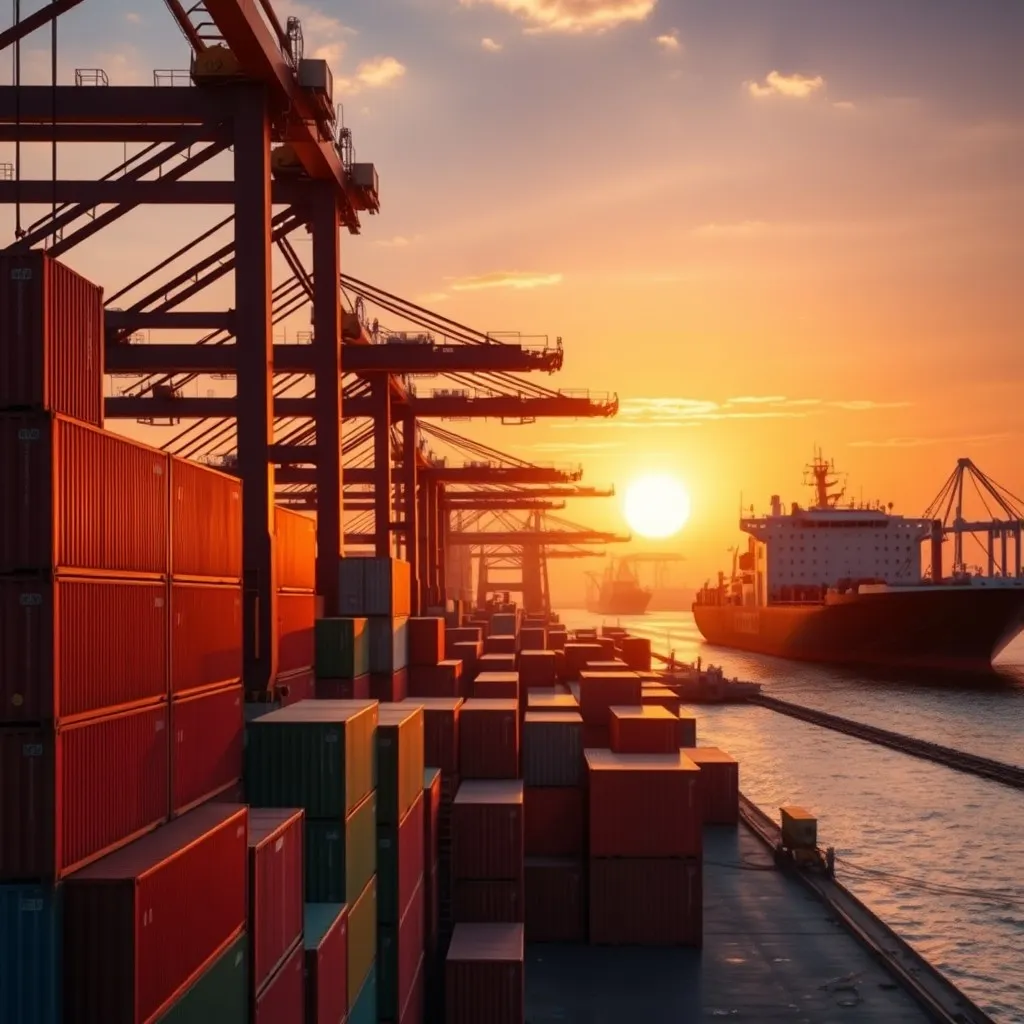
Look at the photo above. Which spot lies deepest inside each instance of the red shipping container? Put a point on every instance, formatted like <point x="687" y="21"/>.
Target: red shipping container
<point x="441" y="680"/>
<point x="63" y="650"/>
<point x="487" y="830"/>
<point x="426" y="640"/>
<point x="643" y="805"/>
<point x="659" y="696"/>
<point x="478" y="901"/>
<point x="469" y="653"/>
<point x="485" y="978"/>
<point x="500" y="645"/>
<point x="636" y="652"/>
<point x="415" y="1005"/>
<point x="206" y="636"/>
<point x="71" y="796"/>
<point x="208" y="748"/>
<point x="646" y="902"/>
<point x="489" y="739"/>
<point x="577" y="655"/>
<point x="551" y="701"/>
<point x="406" y="958"/>
<point x="206" y="522"/>
<point x="51" y="352"/>
<point x="640" y="730"/>
<point x="294" y="550"/>
<point x="462" y="634"/>
<point x="276" y="889"/>
<point x="687" y="731"/>
<point x="80" y="498"/>
<point x="440" y="732"/>
<point x="555" y="898"/>
<point x="554" y="821"/>
<point x="125" y="917"/>
<point x="496" y="663"/>
<point x="295" y="686"/>
<point x="389" y="686"/>
<point x="538" y="668"/>
<point x="532" y="638"/>
<point x="503" y="685"/>
<point x="601" y="690"/>
<point x="410" y="858"/>
<point x="432" y="790"/>
<point x="557" y="639"/>
<point x="327" y="969"/>
<point x="295" y="643"/>
<point x="596" y="737"/>
<point x="718" y="786"/>
<point x="611" y="665"/>
<point x="283" y="1001"/>
<point x="344" y="689"/>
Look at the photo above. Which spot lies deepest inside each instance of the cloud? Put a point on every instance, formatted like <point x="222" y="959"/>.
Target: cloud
<point x="133" y="18"/>
<point x="669" y="41"/>
<point x="757" y="400"/>
<point x="921" y="442"/>
<point x="571" y="16"/>
<point x="373" y="74"/>
<point x="504" y="279"/>
<point x="795" y="86"/>
<point x="844" y="105"/>
<point x="866" y="405"/>
<point x="399" y="241"/>
<point x="326" y="31"/>
<point x="491" y="45"/>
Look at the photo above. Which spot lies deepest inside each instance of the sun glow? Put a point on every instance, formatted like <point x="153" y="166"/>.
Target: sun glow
<point x="656" y="506"/>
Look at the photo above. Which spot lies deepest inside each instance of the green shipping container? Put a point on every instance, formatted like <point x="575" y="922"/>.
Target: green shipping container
<point x="399" y="760"/>
<point x="342" y="648"/>
<point x="317" y="755"/>
<point x="341" y="857"/>
<point x="220" y="994"/>
<point x="362" y="939"/>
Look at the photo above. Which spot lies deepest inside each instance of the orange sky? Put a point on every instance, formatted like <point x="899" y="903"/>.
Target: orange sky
<point x="814" y="206"/>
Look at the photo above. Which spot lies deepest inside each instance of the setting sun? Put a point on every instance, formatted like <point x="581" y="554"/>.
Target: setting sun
<point x="656" y="506"/>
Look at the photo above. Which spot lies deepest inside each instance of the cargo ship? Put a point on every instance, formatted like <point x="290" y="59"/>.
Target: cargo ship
<point x="843" y="584"/>
<point x="617" y="591"/>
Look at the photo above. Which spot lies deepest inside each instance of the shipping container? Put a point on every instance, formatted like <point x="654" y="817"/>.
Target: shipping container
<point x="220" y="994"/>
<point x="538" y="668"/>
<point x="555" y="900"/>
<point x="341" y="857"/>
<point x="399" y="951"/>
<point x="296" y="647"/>
<point x="80" y="499"/>
<point x="496" y="663"/>
<point x="646" y="902"/>
<point x="70" y="796"/>
<point x="390" y="687"/>
<point x="325" y="935"/>
<point x="400" y="862"/>
<point x="533" y="638"/>
<point x="487" y="830"/>
<point x="351" y="585"/>
<point x="343" y="689"/>
<point x="426" y="644"/>
<point x="577" y="655"/>
<point x="635" y="651"/>
<point x="294" y="550"/>
<point x="503" y="685"/>
<point x="718" y="785"/>
<point x="363" y="1002"/>
<point x="63" y="650"/>
<point x="206" y="636"/>
<point x="389" y="643"/>
<point x="442" y="680"/>
<point x="609" y="665"/>
<point x="276" y="890"/>
<point x="659" y="696"/>
<point x="283" y="1000"/>
<point x="207" y="749"/>
<point x="125" y="916"/>
<point x="687" y="730"/>
<point x="375" y="586"/>
<point x="552" y="702"/>
<point x="51" y="338"/>
<point x="317" y="755"/>
<point x="552" y="748"/>
<point x="485" y="978"/>
<point x="555" y="824"/>
<point x="206" y="522"/>
<point x="640" y="730"/>
<point x="342" y="648"/>
<point x="489" y="739"/>
<point x="480" y="901"/>
<point x="462" y="634"/>
<point x="495" y="644"/>
<point x="293" y="687"/>
<point x="415" y="1005"/>
<point x="503" y="624"/>
<point x="362" y="940"/>
<point x="468" y="653"/>
<point x="30" y="965"/>
<point x="557" y="639"/>
<point x="643" y="805"/>
<point x="399" y="760"/>
<point x="601" y="690"/>
<point x="607" y="645"/>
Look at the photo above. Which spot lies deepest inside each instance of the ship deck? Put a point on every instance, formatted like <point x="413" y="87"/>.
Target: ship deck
<point x="772" y="952"/>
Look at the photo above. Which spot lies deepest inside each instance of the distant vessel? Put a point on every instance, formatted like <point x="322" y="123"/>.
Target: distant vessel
<point x="617" y="591"/>
<point x="843" y="585"/>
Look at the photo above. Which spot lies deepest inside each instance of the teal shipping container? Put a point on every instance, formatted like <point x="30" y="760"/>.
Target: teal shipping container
<point x="341" y="856"/>
<point x="342" y="648"/>
<point x="30" y="948"/>
<point x="399" y="760"/>
<point x="364" y="1010"/>
<point x="220" y="995"/>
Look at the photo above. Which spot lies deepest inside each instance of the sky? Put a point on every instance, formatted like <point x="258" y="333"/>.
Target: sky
<point x="767" y="225"/>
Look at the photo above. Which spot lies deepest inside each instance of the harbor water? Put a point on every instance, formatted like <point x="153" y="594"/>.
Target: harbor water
<point x="938" y="854"/>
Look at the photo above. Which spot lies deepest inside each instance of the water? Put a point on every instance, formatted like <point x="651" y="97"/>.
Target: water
<point x="884" y="810"/>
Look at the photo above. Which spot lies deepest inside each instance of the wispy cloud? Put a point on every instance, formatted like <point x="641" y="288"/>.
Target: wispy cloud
<point x="669" y="41"/>
<point x="133" y="17"/>
<point x="572" y="16"/>
<point x="373" y="74"/>
<point x="491" y="45"/>
<point x="400" y="241"/>
<point x="921" y="442"/>
<point x="430" y="297"/>
<point x="504" y="279"/>
<point x="866" y="405"/>
<point x="329" y="32"/>
<point x="794" y="86"/>
<point x="757" y="400"/>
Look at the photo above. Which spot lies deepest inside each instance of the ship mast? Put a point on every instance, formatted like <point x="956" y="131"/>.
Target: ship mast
<point x="820" y="470"/>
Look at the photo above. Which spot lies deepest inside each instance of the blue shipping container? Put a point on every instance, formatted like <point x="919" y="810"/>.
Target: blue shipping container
<point x="30" y="948"/>
<point x="364" y="1011"/>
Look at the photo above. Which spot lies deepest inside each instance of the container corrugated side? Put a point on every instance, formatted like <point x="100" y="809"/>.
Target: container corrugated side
<point x="275" y="888"/>
<point x="399" y="760"/>
<point x="489" y="739"/>
<point x="400" y="862"/>
<point x="362" y="940"/>
<point x="206" y="522"/>
<point x="325" y="936"/>
<point x="341" y="857"/>
<point x="431" y="816"/>
<point x="487" y="830"/>
<point x="351" y="584"/>
<point x="556" y="900"/>
<point x="63" y="650"/>
<point x="70" y="796"/>
<point x="283" y="1000"/>
<point x="485" y="978"/>
<point x="52" y="329"/>
<point x="124" y="916"/>
<point x="426" y="640"/>
<point x="552" y="749"/>
<point x="399" y="949"/>
<point x="296" y="646"/>
<point x="718" y="785"/>
<point x="389" y="643"/>
<point x="341" y="647"/>
<point x="206" y="636"/>
<point x="294" y="550"/>
<point x="220" y="995"/>
<point x="208" y="735"/>
<point x="30" y="967"/>
<point x="80" y="498"/>
<point x="484" y="901"/>
<point x="554" y="821"/>
<point x="440" y="732"/>
<point x="387" y="587"/>
<point x="363" y="1002"/>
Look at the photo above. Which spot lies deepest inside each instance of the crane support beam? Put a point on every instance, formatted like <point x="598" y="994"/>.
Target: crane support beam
<point x="382" y="482"/>
<point x="511" y="539"/>
<point x="129" y="105"/>
<point x="169" y="320"/>
<point x="37" y="19"/>
<point x="448" y="474"/>
<point x="133" y="133"/>
<point x="524" y="406"/>
<point x="136" y="193"/>
<point x="501" y="497"/>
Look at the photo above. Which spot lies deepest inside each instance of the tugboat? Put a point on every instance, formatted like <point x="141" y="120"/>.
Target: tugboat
<point x="617" y="591"/>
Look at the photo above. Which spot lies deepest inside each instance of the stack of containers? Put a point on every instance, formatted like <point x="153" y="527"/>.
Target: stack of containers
<point x="207" y="713"/>
<point x="342" y="658"/>
<point x="433" y="670"/>
<point x="644" y="730"/>
<point x="598" y="693"/>
<point x="645" y="849"/>
<point x="401" y="894"/>
<point x="320" y="755"/>
<point x="431" y="866"/>
<point x="485" y="978"/>
<point x="635" y="651"/>
<point x="466" y="645"/>
<point x="718" y="787"/>
<point x="554" y="797"/>
<point x="325" y="937"/>
<point x="538" y="669"/>
<point x="295" y="583"/>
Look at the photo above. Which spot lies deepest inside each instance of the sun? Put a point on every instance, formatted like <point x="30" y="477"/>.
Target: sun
<point x="656" y="506"/>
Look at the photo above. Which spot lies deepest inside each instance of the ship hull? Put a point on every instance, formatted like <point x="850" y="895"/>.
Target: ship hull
<point x="634" y="603"/>
<point x="946" y="628"/>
